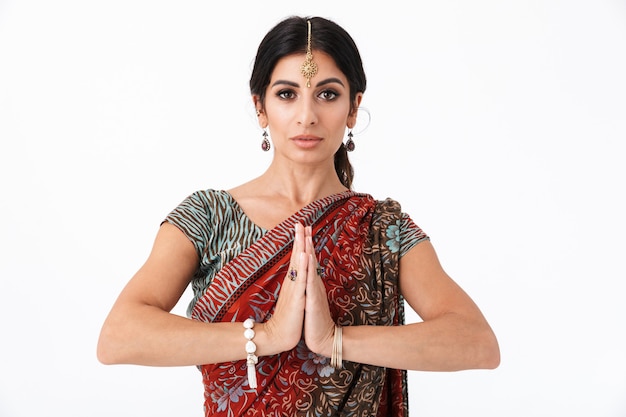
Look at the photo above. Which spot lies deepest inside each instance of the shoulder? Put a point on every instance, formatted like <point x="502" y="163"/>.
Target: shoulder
<point x="196" y="212"/>
<point x="389" y="204"/>
<point x="392" y="208"/>
<point x="402" y="231"/>
<point x="205" y="202"/>
<point x="209" y="196"/>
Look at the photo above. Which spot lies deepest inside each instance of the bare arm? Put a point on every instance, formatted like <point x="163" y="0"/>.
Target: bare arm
<point x="141" y="330"/>
<point x="454" y="335"/>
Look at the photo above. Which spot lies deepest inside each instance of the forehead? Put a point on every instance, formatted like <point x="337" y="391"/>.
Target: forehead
<point x="288" y="67"/>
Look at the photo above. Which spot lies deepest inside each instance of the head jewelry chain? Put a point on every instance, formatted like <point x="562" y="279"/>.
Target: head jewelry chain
<point x="308" y="68"/>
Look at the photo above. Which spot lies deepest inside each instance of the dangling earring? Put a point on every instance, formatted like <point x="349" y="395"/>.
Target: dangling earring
<point x="265" y="145"/>
<point x="350" y="143"/>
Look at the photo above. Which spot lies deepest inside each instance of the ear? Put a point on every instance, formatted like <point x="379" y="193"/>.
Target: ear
<point x="351" y="122"/>
<point x="260" y="111"/>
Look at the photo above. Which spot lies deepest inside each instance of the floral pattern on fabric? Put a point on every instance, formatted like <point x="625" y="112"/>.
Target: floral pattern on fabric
<point x="357" y="242"/>
<point x="393" y="233"/>
<point x="313" y="363"/>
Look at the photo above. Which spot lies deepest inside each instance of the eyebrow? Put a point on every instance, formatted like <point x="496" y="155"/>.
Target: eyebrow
<point x="296" y="85"/>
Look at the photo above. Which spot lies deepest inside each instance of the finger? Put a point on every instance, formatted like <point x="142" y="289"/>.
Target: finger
<point x="303" y="266"/>
<point x="298" y="241"/>
<point x="300" y="270"/>
<point x="297" y="248"/>
<point x="314" y="264"/>
<point x="308" y="241"/>
<point x="312" y="277"/>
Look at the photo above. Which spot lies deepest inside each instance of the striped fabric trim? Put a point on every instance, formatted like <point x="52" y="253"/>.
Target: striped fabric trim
<point x="268" y="254"/>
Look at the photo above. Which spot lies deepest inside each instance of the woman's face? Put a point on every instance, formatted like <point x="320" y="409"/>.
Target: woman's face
<point x="307" y="124"/>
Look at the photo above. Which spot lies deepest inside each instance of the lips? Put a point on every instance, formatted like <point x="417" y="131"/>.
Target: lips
<point x="306" y="138"/>
<point x="306" y="141"/>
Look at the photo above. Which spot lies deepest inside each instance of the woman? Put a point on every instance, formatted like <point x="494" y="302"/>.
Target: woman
<point x="299" y="281"/>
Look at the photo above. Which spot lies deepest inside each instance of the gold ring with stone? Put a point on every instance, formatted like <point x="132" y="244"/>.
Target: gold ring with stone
<point x="293" y="274"/>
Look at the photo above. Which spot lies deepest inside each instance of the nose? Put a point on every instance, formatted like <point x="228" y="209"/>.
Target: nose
<point x="307" y="114"/>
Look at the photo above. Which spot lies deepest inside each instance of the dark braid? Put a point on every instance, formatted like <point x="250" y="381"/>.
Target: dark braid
<point x="344" y="169"/>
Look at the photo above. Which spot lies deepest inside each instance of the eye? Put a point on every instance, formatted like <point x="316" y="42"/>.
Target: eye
<point x="286" y="94"/>
<point x="328" y="95"/>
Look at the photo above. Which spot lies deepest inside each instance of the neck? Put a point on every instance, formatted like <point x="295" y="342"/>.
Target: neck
<point x="300" y="185"/>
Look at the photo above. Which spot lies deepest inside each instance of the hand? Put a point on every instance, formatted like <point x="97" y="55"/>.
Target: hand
<point x="285" y="326"/>
<point x="319" y="326"/>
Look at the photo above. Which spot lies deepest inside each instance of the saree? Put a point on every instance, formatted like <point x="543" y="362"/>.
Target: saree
<point x="354" y="237"/>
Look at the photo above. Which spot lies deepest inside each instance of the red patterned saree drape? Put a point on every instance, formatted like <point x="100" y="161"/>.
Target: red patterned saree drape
<point x="352" y="235"/>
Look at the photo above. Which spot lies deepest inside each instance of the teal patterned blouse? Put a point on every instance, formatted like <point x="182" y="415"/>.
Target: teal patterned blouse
<point x="219" y="230"/>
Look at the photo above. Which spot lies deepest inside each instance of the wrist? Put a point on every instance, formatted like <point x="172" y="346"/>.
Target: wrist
<point x="269" y="341"/>
<point x="250" y="347"/>
<point x="323" y="345"/>
<point x="336" y="357"/>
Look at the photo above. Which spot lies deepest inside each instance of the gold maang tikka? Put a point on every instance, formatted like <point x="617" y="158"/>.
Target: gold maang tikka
<point x="308" y="68"/>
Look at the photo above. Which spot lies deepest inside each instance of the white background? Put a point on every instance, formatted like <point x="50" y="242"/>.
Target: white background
<point x="499" y="125"/>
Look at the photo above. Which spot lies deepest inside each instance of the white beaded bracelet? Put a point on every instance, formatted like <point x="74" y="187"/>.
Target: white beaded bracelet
<point x="252" y="359"/>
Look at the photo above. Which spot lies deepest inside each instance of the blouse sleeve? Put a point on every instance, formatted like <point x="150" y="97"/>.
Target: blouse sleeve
<point x="192" y="217"/>
<point x="410" y="234"/>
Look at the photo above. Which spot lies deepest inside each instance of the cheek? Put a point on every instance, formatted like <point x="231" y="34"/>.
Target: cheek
<point x="340" y="120"/>
<point x="277" y="115"/>
<point x="278" y="121"/>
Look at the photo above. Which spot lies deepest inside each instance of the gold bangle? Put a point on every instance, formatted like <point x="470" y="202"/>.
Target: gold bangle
<point x="336" y="359"/>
